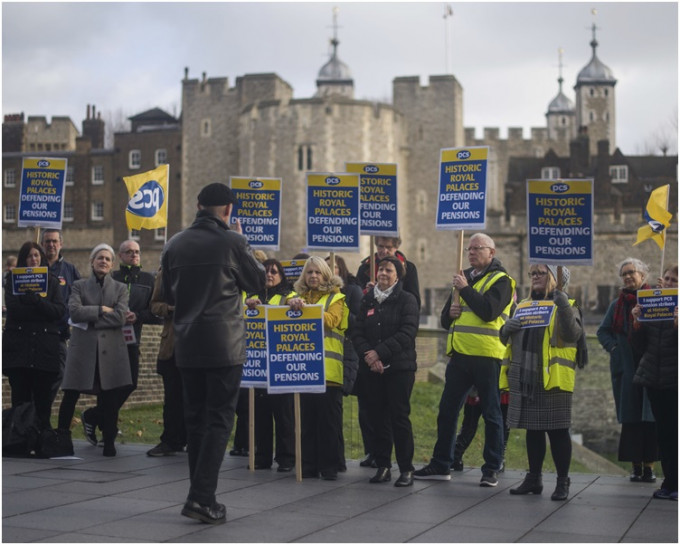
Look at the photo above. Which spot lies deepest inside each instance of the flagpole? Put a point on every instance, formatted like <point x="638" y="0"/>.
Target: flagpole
<point x="167" y="207"/>
<point x="665" y="232"/>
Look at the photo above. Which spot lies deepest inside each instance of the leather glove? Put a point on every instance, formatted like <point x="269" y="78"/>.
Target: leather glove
<point x="560" y="298"/>
<point x="512" y="326"/>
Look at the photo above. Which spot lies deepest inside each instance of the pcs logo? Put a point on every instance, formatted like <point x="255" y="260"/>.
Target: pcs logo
<point x="332" y="180"/>
<point x="463" y="154"/>
<point x="147" y="201"/>
<point x="255" y="184"/>
<point x="371" y="169"/>
<point x="293" y="313"/>
<point x="43" y="163"/>
<point x="559" y="188"/>
<point x="252" y="312"/>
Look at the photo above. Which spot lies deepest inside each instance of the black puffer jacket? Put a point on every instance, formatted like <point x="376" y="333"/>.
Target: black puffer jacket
<point x="205" y="269"/>
<point x="140" y="287"/>
<point x="31" y="336"/>
<point x="656" y="344"/>
<point x="389" y="328"/>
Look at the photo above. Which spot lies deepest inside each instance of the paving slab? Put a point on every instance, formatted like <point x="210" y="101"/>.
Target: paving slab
<point x="136" y="498"/>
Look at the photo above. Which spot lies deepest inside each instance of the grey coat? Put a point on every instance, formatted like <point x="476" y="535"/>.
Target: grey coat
<point x="102" y="341"/>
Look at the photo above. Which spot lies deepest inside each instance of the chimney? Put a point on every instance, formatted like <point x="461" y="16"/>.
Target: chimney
<point x="93" y="128"/>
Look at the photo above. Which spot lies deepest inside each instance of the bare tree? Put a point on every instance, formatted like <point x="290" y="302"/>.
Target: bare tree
<point x="116" y="121"/>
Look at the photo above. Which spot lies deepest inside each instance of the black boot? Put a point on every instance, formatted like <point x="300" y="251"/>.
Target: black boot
<point x="64" y="445"/>
<point x="532" y="484"/>
<point x="109" y="442"/>
<point x="561" y="490"/>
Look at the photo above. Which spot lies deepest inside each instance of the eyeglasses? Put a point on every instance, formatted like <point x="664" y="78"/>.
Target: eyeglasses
<point x="476" y="248"/>
<point x="627" y="273"/>
<point x="537" y="274"/>
<point x="383" y="247"/>
<point x="273" y="272"/>
<point x="132" y="252"/>
<point x="50" y="241"/>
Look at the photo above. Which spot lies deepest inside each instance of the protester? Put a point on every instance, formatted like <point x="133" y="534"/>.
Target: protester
<point x="322" y="413"/>
<point x="637" y="443"/>
<point x="273" y="408"/>
<point x="350" y="360"/>
<point x="97" y="361"/>
<point x="486" y="296"/>
<point x="52" y="242"/>
<point x="10" y="263"/>
<point x="30" y="340"/>
<point x="174" y="436"/>
<point x="205" y="269"/>
<point x="389" y="246"/>
<point x="385" y="338"/>
<point x="657" y="344"/>
<point x="140" y="287"/>
<point x="539" y="370"/>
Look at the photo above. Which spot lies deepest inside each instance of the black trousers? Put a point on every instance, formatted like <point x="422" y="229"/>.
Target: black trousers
<point x="271" y="409"/>
<point x="321" y="428"/>
<point x="364" y="420"/>
<point x="388" y="397"/>
<point x="665" y="409"/>
<point x="468" y="429"/>
<point x="210" y="396"/>
<point x="60" y="375"/>
<point x="174" y="430"/>
<point x="107" y="412"/>
<point x="241" y="441"/>
<point x="33" y="385"/>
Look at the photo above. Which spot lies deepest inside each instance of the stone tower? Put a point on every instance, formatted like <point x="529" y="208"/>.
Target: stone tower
<point x="561" y="117"/>
<point x="595" y="101"/>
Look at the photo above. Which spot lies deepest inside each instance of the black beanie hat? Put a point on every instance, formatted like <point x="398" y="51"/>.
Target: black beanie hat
<point x="216" y="194"/>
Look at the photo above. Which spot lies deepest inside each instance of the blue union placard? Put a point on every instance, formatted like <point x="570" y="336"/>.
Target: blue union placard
<point x="295" y="351"/>
<point x="258" y="208"/>
<point x="255" y="369"/>
<point x="333" y="212"/>
<point x="560" y="221"/>
<point x="461" y="203"/>
<point x="378" y="198"/>
<point x="41" y="200"/>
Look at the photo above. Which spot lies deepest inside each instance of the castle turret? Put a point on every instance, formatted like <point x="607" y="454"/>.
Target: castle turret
<point x="561" y="117"/>
<point x="335" y="77"/>
<point x="595" y="100"/>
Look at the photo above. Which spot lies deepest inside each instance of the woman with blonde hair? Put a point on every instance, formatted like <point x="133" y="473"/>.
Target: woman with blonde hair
<point x="322" y="413"/>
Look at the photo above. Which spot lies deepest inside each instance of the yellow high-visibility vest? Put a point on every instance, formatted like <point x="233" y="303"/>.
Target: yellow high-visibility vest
<point x="471" y="335"/>
<point x="559" y="360"/>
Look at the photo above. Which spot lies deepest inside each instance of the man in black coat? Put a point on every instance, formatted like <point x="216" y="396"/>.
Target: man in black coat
<point x="205" y="269"/>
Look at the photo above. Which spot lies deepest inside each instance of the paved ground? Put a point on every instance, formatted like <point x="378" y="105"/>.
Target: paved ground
<point x="134" y="498"/>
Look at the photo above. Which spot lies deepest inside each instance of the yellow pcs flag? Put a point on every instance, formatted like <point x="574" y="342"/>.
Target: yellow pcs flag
<point x="148" y="204"/>
<point x="657" y="216"/>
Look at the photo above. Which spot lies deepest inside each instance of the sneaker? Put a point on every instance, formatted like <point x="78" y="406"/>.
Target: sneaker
<point x="431" y="473"/>
<point x="89" y="427"/>
<point x="457" y="465"/>
<point x="648" y="475"/>
<point x="488" y="479"/>
<point x="662" y="494"/>
<point x="161" y="449"/>
<point x="674" y="496"/>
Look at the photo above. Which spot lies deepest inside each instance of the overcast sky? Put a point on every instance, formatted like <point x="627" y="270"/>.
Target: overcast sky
<point x="128" y="57"/>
